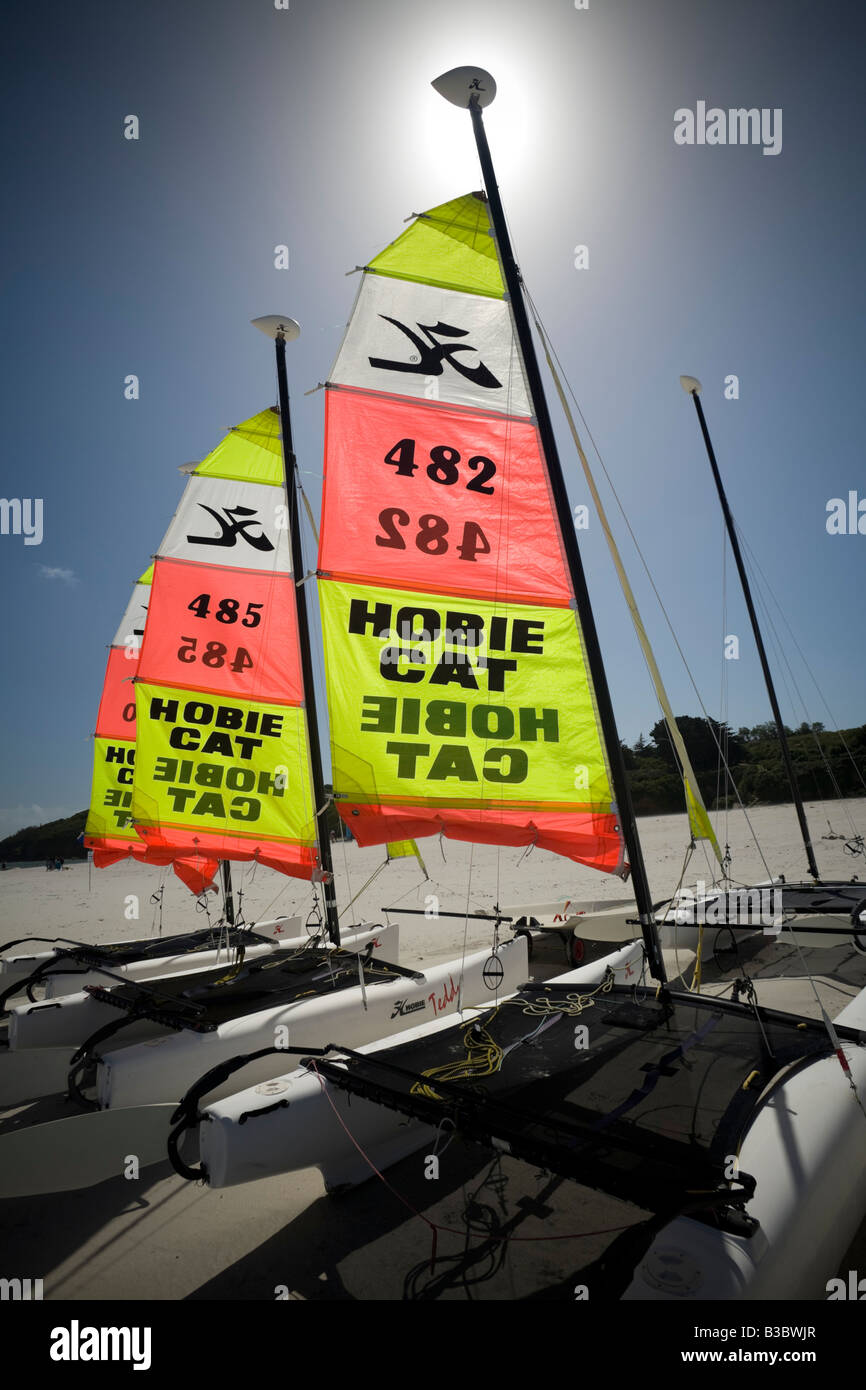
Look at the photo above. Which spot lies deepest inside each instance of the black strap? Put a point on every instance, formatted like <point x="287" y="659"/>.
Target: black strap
<point x="82" y="1061"/>
<point x="187" y="1114"/>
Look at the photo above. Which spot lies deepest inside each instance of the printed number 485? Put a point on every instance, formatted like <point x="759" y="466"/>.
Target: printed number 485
<point x="226" y="610"/>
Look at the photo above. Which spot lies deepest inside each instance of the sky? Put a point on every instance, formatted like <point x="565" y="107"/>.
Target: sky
<point x="315" y="126"/>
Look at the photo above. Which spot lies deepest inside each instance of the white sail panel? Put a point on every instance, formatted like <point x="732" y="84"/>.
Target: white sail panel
<point x="225" y="521"/>
<point x="413" y="339"/>
<point x="130" y="630"/>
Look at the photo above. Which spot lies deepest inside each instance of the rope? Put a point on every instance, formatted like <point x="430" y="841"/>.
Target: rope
<point x="433" y="1226"/>
<point x="375" y="874"/>
<point x="484" y="1056"/>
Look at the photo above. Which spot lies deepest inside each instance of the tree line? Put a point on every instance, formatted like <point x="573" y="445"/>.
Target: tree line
<point x="823" y="766"/>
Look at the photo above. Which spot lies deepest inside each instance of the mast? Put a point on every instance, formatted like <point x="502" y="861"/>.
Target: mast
<point x="227" y="892"/>
<point x="280" y="329"/>
<point x="692" y="387"/>
<point x="475" y="88"/>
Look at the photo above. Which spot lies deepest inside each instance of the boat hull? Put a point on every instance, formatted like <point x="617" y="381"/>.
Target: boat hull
<point x="18" y="969"/>
<point x="805" y="1149"/>
<point x="71" y="1019"/>
<point x="244" y="1137"/>
<point x="603" y="920"/>
<point x="166" y="1067"/>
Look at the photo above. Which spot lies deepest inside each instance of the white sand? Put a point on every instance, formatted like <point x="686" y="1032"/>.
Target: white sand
<point x="161" y="1238"/>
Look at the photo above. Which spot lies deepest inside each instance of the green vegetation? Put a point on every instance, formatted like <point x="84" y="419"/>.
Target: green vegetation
<point x="824" y="770"/>
<point x="823" y="767"/>
<point x="57" y="837"/>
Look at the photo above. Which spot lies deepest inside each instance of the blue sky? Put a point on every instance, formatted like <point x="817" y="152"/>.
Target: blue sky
<point x="316" y="127"/>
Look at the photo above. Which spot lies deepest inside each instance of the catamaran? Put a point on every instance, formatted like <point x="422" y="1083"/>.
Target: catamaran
<point x="468" y="695"/>
<point x="226" y="767"/>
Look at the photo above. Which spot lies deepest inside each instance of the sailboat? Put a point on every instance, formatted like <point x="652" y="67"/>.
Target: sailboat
<point x="111" y="837"/>
<point x="227" y="767"/>
<point x="721" y="1119"/>
<point x="251" y="449"/>
<point x="821" y="912"/>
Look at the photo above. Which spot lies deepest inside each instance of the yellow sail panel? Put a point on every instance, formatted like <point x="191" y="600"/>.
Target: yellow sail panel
<point x="209" y="768"/>
<point x="699" y="820"/>
<point x="250" y="452"/>
<point x="401" y="849"/>
<point x="433" y="703"/>
<point x="406" y="849"/>
<point x="450" y="246"/>
<point x="109" y="816"/>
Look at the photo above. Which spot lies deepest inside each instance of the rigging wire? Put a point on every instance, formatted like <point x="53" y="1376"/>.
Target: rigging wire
<point x="640" y="553"/>
<point x="784" y="664"/>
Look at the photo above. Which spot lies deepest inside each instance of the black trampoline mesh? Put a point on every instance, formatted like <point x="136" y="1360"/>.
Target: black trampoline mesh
<point x="210" y="997"/>
<point x="122" y="952"/>
<point x="643" y="1097"/>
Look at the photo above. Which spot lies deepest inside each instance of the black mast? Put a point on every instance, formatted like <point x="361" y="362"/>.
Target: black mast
<point x="278" y="328"/>
<point x="477" y="82"/>
<point x="693" y="386"/>
<point x="228" y="896"/>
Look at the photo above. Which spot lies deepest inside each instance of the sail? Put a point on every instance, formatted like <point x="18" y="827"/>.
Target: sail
<point x="459" y="693"/>
<point x="406" y="849"/>
<point x="109" y="830"/>
<point x="222" y="762"/>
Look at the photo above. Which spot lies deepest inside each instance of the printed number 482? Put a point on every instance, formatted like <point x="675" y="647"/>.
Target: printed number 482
<point x="431" y="534"/>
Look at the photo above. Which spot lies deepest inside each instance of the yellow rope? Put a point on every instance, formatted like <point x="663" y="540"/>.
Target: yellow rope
<point x="483" y="1058"/>
<point x="484" y="1055"/>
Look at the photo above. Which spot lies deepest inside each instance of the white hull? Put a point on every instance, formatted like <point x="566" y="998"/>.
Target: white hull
<point x="19" y="968"/>
<point x="71" y="1019"/>
<point x="306" y="1132"/>
<point x="806" y="1151"/>
<point x="762" y="909"/>
<point x="165" y="1068"/>
<point x="684" y="935"/>
<point x="601" y="920"/>
<point x="606" y="920"/>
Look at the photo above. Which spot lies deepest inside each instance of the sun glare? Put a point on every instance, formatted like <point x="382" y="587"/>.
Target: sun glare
<point x="445" y="133"/>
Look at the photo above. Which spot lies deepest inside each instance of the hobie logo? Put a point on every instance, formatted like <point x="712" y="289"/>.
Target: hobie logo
<point x="737" y="126"/>
<point x="239" y="519"/>
<point x="853" y="1290"/>
<point x="430" y="355"/>
<point x="76" y="1343"/>
<point x="402" y="1007"/>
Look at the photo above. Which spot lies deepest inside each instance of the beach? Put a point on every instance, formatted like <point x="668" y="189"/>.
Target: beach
<point x="158" y="1237"/>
